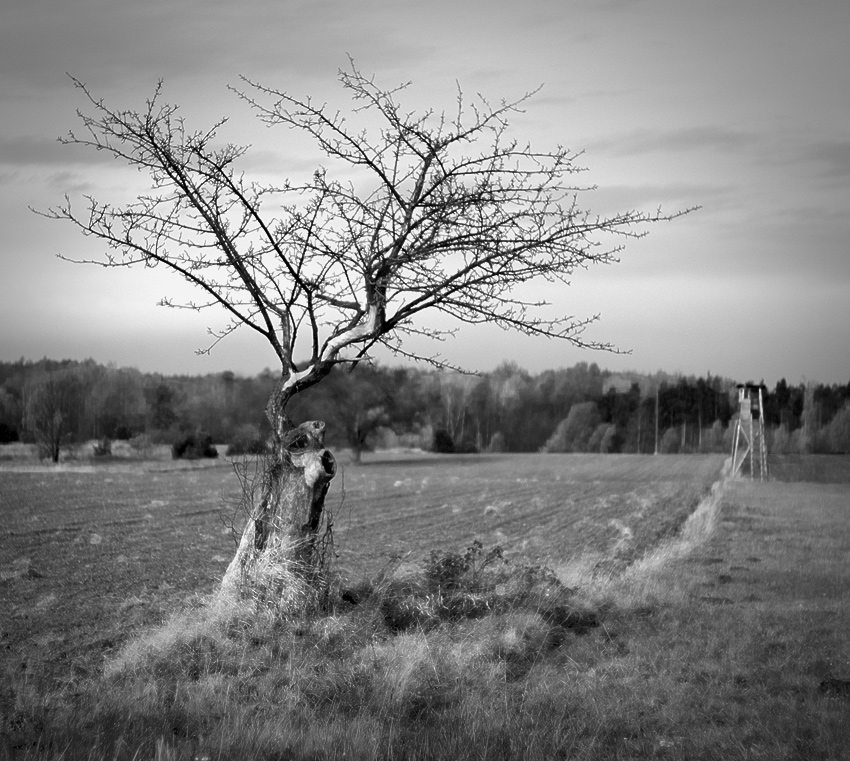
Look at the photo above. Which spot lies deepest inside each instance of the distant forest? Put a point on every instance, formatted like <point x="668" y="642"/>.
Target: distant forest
<point x="577" y="409"/>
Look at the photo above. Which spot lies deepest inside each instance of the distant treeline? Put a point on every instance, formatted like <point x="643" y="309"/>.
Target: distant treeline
<point x="576" y="409"/>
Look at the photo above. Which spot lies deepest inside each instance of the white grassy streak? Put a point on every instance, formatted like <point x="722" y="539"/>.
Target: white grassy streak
<point x="697" y="529"/>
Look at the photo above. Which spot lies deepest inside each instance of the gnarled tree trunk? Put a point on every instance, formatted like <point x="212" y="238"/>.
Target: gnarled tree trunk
<point x="278" y="561"/>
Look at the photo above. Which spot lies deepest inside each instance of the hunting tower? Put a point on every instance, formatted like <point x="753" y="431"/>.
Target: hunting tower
<point x="749" y="441"/>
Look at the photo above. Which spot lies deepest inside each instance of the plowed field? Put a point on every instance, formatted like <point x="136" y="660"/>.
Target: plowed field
<point x="89" y="554"/>
<point x="543" y="506"/>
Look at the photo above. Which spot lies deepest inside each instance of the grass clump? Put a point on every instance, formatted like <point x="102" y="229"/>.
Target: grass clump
<point x="392" y="658"/>
<point x="454" y="586"/>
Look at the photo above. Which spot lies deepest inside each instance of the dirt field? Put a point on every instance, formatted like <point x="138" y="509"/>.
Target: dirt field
<point x="724" y="635"/>
<point x="546" y="507"/>
<point x="91" y="553"/>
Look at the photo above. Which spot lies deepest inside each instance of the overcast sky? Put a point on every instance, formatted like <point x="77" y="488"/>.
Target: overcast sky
<point x="740" y="107"/>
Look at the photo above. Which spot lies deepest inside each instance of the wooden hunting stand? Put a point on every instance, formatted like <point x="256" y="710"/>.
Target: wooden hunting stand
<point x="749" y="442"/>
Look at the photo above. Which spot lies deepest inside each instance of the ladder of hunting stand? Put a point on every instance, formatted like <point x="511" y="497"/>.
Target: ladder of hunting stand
<point x="749" y="427"/>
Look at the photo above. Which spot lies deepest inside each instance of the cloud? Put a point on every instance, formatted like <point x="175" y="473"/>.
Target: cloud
<point x="833" y="158"/>
<point x="116" y="44"/>
<point x="31" y="150"/>
<point x="695" y="139"/>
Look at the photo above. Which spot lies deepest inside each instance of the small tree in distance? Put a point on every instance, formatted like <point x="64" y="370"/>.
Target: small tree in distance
<point x="431" y="213"/>
<point x="51" y="401"/>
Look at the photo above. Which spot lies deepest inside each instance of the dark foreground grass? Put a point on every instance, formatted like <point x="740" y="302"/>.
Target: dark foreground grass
<point x="732" y="645"/>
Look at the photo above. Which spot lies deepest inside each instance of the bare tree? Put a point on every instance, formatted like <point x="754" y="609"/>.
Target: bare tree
<point x="454" y="391"/>
<point x="52" y="399"/>
<point x="431" y="213"/>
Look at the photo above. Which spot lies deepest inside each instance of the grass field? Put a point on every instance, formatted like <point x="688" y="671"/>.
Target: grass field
<point x="723" y="635"/>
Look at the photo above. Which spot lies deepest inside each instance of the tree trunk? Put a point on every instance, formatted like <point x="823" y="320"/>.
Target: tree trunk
<point x="279" y="561"/>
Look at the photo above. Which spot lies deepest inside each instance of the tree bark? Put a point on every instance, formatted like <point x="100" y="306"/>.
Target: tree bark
<point x="278" y="560"/>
